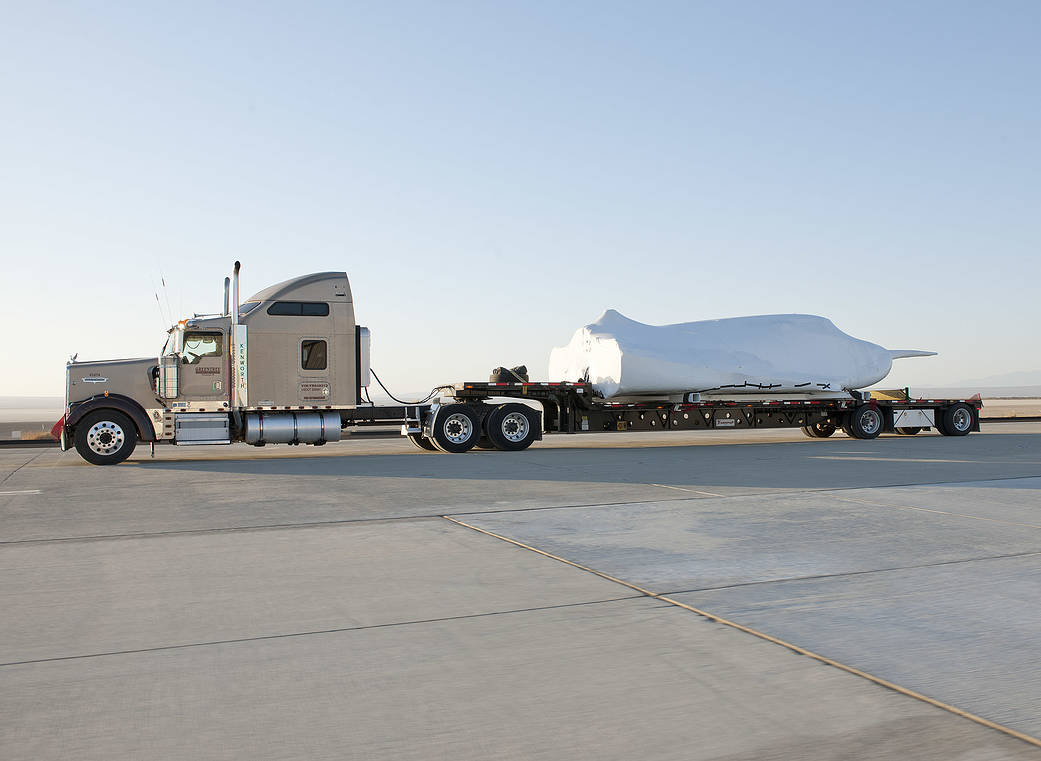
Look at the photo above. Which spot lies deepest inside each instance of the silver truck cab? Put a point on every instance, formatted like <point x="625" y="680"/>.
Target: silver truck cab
<point x="276" y="369"/>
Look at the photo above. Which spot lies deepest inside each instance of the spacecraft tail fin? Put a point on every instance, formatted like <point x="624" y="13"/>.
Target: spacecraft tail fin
<point x="904" y="353"/>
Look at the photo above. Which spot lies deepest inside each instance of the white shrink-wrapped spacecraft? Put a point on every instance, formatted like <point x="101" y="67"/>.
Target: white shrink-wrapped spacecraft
<point x="765" y="354"/>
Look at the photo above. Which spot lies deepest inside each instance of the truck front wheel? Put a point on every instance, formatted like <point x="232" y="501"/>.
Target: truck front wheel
<point x="105" y="437"/>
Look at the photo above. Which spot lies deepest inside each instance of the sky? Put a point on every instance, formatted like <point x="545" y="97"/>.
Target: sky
<point x="493" y="175"/>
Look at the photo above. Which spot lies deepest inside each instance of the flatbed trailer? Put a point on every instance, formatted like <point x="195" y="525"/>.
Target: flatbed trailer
<point x="479" y="408"/>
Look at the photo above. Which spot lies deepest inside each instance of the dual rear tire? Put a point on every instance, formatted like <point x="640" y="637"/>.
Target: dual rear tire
<point x="957" y="420"/>
<point x="864" y="422"/>
<point x="458" y="428"/>
<point x="867" y="422"/>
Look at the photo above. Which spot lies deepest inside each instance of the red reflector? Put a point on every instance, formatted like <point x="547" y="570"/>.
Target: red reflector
<point x="57" y="428"/>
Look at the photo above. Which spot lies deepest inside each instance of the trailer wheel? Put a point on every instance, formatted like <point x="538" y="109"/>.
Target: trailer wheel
<point x="819" y="430"/>
<point x="512" y="427"/>
<point x="105" y="437"/>
<point x="865" y="422"/>
<point x="957" y="420"/>
<point x="456" y="429"/>
<point x="908" y="431"/>
<point x="421" y="441"/>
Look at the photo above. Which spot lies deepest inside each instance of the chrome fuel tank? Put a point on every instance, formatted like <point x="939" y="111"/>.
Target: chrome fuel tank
<point x="292" y="427"/>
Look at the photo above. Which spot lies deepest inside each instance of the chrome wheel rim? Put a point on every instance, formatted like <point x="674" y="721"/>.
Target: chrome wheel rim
<point x="870" y="421"/>
<point x="962" y="419"/>
<point x="458" y="428"/>
<point x="515" y="427"/>
<point x="105" y="437"/>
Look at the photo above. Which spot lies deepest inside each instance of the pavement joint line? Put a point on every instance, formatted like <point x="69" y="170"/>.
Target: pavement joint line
<point x="940" y="563"/>
<point x="340" y="630"/>
<point x="307" y="524"/>
<point x="432" y="516"/>
<point x="34" y="457"/>
<point x="937" y="512"/>
<point x="23" y="491"/>
<point x="769" y="638"/>
<point x="867" y="458"/>
<point x="693" y="491"/>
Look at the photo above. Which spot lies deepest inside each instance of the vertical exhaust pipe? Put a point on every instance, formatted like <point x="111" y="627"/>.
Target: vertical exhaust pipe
<point x="227" y="288"/>
<point x="236" y="382"/>
<point x="235" y="294"/>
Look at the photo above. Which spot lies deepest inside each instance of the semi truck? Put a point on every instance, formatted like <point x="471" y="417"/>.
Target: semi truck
<point x="290" y="365"/>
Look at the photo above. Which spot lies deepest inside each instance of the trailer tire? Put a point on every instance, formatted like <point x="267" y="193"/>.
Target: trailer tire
<point x="908" y="431"/>
<point x="422" y="442"/>
<point x="512" y="427"/>
<point x="819" y="430"/>
<point x="866" y="422"/>
<point x="456" y="429"/>
<point x="485" y="443"/>
<point x="105" y="437"/>
<point x="958" y="420"/>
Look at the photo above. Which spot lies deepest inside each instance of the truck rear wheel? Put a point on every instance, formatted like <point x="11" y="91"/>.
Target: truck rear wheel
<point x="865" y="422"/>
<point x="957" y="420"/>
<point x="819" y="430"/>
<point x="908" y="431"/>
<point x="456" y="429"/>
<point x="512" y="427"/>
<point x="105" y="437"/>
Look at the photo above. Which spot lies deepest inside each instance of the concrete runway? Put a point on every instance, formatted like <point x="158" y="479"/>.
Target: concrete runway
<point x="284" y="603"/>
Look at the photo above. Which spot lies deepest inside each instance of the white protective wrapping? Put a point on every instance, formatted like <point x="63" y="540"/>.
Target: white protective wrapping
<point x="770" y="353"/>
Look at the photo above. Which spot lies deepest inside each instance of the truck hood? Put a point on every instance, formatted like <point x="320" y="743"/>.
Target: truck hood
<point x="129" y="377"/>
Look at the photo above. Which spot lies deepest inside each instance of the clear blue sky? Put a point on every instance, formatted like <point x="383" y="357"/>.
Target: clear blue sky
<point x="494" y="175"/>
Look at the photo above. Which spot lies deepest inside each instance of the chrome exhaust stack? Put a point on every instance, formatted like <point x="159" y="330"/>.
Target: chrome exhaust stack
<point x="227" y="287"/>
<point x="239" y="390"/>
<point x="235" y="293"/>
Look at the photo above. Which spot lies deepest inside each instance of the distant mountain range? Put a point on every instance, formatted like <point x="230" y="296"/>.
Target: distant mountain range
<point x="1018" y="378"/>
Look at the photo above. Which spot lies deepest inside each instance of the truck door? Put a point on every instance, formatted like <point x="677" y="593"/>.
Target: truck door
<point x="203" y="366"/>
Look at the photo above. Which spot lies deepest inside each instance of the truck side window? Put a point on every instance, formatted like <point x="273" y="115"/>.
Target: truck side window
<point x="314" y="355"/>
<point x="299" y="309"/>
<point x="198" y="345"/>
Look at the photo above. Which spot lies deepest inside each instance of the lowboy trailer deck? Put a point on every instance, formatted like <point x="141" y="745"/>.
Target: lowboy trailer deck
<point x="574" y="408"/>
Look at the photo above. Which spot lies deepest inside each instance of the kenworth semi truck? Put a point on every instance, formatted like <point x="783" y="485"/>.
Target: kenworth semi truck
<point x="290" y="365"/>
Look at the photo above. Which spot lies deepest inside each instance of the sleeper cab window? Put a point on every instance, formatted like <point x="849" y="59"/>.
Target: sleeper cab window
<point x="299" y="309"/>
<point x="198" y="345"/>
<point x="314" y="354"/>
